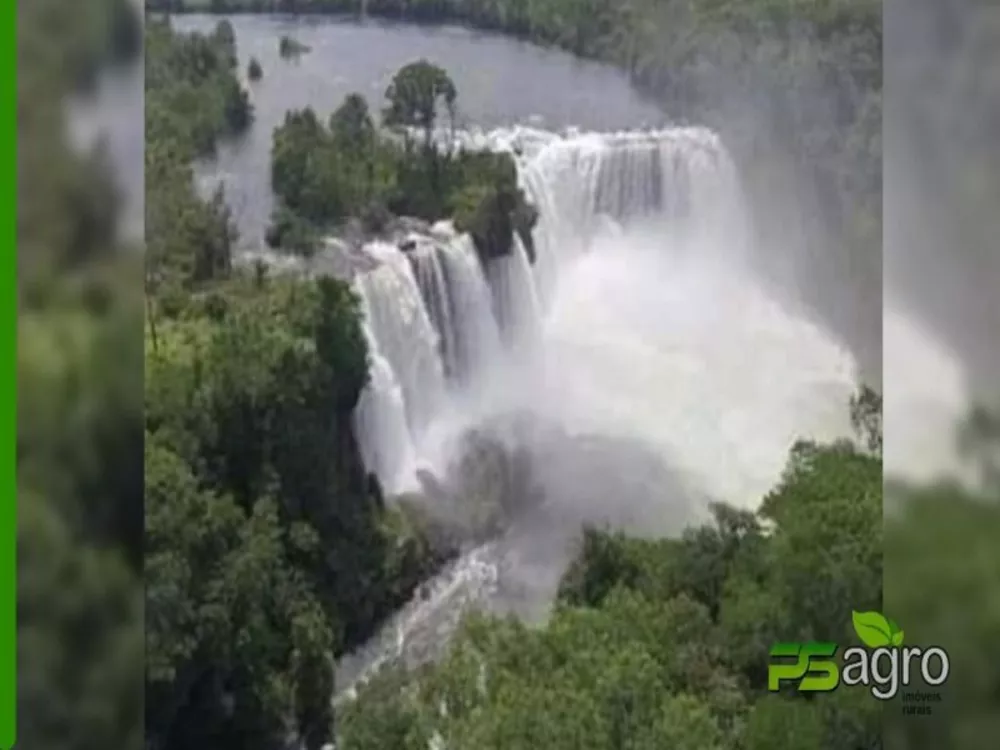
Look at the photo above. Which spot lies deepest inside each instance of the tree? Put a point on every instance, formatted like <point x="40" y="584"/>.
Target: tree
<point x="226" y="38"/>
<point x="353" y="130"/>
<point x="866" y="418"/>
<point x="414" y="95"/>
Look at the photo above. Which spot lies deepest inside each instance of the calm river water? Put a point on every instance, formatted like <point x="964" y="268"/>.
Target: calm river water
<point x="500" y="81"/>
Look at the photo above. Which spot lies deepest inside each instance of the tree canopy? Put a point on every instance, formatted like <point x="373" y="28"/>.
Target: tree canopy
<point x="269" y="550"/>
<point x="414" y="96"/>
<point x="326" y="175"/>
<point x="664" y="643"/>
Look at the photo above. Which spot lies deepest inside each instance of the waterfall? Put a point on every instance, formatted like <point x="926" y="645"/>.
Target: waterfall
<point x="671" y="181"/>
<point x="456" y="294"/>
<point x="626" y="209"/>
<point x="515" y="303"/>
<point x="384" y="439"/>
<point x="433" y="337"/>
<point x="425" y="257"/>
<point x="640" y="331"/>
<point x="407" y="388"/>
<point x="477" y="334"/>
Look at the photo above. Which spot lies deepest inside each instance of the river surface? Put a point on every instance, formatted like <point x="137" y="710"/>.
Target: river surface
<point x="500" y="81"/>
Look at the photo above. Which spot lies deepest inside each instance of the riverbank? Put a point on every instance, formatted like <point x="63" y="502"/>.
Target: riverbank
<point x="651" y="46"/>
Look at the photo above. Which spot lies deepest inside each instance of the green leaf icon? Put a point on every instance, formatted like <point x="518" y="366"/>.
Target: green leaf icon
<point x="873" y="629"/>
<point x="897" y="634"/>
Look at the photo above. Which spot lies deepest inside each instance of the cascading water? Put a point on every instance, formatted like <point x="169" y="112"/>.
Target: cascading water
<point x="407" y="387"/>
<point x="641" y="323"/>
<point x="477" y="334"/>
<point x="457" y="297"/>
<point x="671" y="181"/>
<point x="433" y="338"/>
<point x="516" y="306"/>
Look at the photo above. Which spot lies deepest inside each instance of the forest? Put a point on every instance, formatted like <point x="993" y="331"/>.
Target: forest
<point x="652" y="642"/>
<point x="269" y="549"/>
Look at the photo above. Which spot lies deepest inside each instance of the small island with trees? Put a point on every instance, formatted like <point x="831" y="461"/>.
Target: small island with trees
<point x="325" y="175"/>
<point x="290" y="48"/>
<point x="254" y="70"/>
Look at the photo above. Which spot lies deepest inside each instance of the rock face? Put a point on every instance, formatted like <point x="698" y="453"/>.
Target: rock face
<point x="525" y="218"/>
<point x="500" y="213"/>
<point x="488" y="485"/>
<point x="492" y="215"/>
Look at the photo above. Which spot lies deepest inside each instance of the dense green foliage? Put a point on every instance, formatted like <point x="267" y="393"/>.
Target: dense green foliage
<point x="193" y="98"/>
<point x="193" y="95"/>
<point x="267" y="551"/>
<point x="664" y="643"/>
<point x="268" y="547"/>
<point x="942" y="574"/>
<point x="349" y="168"/>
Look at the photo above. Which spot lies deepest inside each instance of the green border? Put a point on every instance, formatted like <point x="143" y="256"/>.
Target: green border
<point x="8" y="342"/>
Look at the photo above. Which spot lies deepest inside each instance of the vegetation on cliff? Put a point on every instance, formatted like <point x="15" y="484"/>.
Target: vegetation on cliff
<point x="269" y="550"/>
<point x="325" y="174"/>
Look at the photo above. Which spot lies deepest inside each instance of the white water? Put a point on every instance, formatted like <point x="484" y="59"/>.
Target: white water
<point x="652" y="326"/>
<point x="696" y="361"/>
<point x="640" y="322"/>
